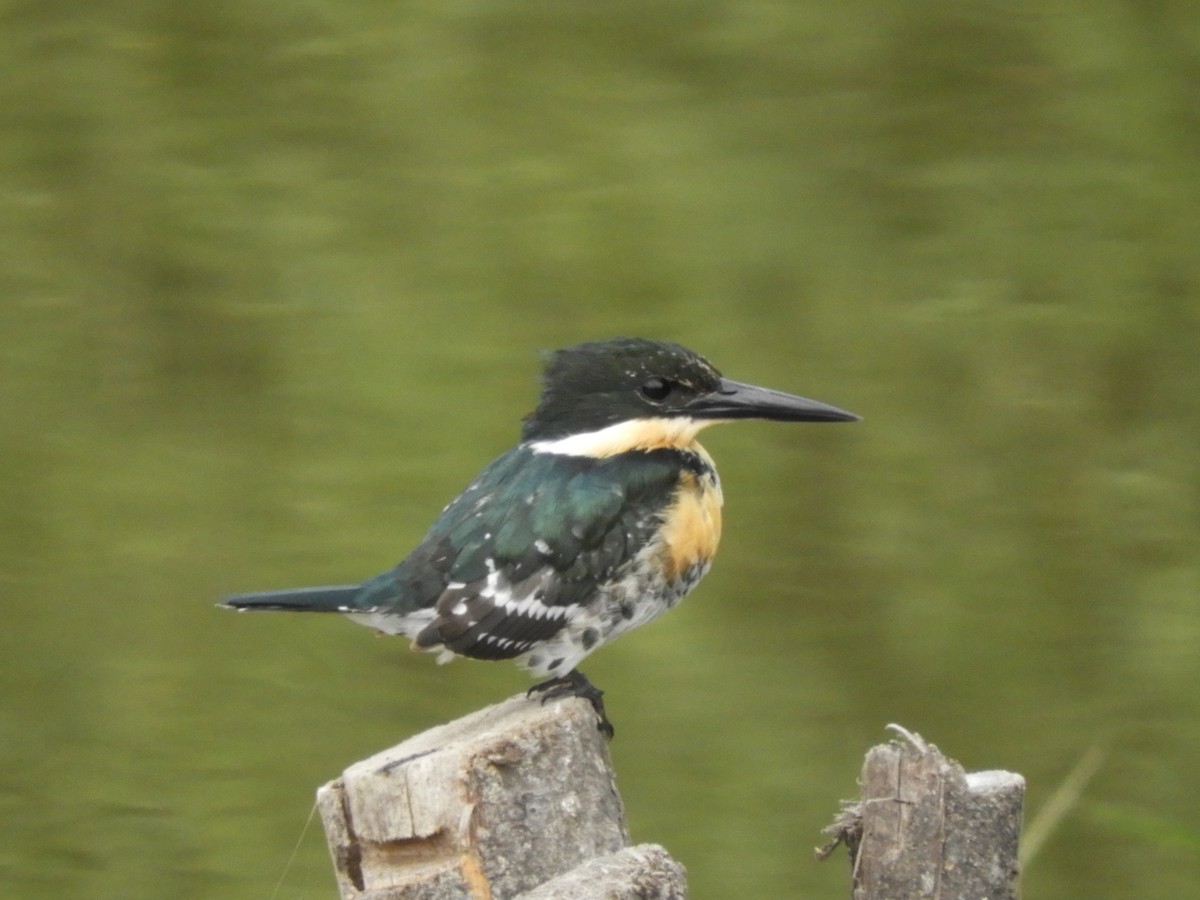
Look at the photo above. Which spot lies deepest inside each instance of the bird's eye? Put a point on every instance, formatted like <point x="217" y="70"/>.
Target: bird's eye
<point x="655" y="389"/>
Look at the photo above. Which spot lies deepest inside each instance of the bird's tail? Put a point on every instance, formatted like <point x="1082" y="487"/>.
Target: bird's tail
<point x="335" y="598"/>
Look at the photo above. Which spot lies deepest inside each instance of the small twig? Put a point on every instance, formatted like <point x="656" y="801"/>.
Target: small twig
<point x="912" y="737"/>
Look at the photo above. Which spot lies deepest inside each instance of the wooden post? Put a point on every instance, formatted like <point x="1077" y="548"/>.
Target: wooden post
<point x="517" y="800"/>
<point x="926" y="829"/>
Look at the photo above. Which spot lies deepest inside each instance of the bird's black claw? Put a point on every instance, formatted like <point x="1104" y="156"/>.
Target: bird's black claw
<point x="575" y="684"/>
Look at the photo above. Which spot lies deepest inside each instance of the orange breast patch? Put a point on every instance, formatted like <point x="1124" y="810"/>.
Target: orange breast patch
<point x="692" y="525"/>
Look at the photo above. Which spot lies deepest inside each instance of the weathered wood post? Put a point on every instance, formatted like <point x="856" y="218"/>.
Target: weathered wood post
<point x="517" y="800"/>
<point x="926" y="829"/>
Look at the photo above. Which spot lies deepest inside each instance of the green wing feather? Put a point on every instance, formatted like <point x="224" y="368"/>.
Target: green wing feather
<point x="583" y="516"/>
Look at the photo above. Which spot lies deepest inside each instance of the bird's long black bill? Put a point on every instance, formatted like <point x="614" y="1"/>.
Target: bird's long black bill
<point x="734" y="400"/>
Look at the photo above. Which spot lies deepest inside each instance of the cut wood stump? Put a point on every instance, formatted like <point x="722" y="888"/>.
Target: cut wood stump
<point x="515" y="800"/>
<point x="519" y="802"/>
<point x="926" y="829"/>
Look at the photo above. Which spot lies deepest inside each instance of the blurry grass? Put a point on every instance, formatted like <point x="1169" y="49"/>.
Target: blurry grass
<point x="1147" y="828"/>
<point x="1061" y="803"/>
<point x="1138" y="827"/>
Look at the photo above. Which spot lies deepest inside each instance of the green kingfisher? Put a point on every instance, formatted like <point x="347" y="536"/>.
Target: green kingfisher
<point x="602" y="518"/>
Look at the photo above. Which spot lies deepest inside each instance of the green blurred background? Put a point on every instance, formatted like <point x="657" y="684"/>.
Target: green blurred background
<point x="274" y="276"/>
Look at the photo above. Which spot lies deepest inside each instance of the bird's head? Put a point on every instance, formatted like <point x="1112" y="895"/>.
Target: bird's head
<point x="654" y="387"/>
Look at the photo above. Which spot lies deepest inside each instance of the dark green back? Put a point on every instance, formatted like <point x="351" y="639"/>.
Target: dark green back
<point x="585" y="517"/>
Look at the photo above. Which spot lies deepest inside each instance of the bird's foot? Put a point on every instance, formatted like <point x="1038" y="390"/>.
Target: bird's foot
<point x="575" y="684"/>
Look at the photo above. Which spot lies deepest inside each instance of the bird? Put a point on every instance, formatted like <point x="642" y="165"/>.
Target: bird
<point x="602" y="518"/>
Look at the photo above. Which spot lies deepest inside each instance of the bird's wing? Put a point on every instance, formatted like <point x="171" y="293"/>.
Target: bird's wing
<point x="530" y="540"/>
